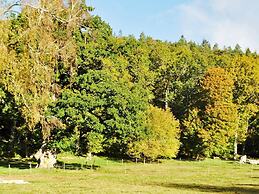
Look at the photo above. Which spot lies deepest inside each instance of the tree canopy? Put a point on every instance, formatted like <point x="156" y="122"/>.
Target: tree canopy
<point x="69" y="82"/>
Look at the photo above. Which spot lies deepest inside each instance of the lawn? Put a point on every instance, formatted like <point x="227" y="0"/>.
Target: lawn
<point x="115" y="176"/>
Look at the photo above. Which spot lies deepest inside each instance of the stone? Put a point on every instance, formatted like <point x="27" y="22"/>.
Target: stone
<point x="89" y="156"/>
<point x="46" y="158"/>
<point x="243" y="159"/>
<point x="255" y="162"/>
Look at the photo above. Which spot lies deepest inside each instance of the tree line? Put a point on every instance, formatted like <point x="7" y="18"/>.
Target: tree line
<point x="67" y="81"/>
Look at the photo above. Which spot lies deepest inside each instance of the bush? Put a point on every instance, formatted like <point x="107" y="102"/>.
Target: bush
<point x="162" y="136"/>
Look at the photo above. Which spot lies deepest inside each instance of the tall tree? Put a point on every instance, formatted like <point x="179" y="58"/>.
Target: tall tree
<point x="40" y="40"/>
<point x="111" y="93"/>
<point x="220" y="119"/>
<point x="245" y="71"/>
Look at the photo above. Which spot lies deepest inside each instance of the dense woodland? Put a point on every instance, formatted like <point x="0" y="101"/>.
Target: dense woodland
<point x="69" y="82"/>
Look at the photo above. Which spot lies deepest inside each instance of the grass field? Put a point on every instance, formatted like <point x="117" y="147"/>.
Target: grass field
<point x="170" y="176"/>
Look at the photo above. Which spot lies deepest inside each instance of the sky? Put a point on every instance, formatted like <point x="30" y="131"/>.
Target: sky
<point x="226" y="22"/>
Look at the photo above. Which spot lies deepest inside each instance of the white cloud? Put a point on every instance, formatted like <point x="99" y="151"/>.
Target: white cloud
<point x="226" y="22"/>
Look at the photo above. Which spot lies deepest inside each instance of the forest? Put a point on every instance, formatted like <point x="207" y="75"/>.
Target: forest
<point x="69" y="82"/>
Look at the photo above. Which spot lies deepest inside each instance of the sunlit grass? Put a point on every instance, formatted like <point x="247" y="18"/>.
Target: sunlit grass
<point x="113" y="176"/>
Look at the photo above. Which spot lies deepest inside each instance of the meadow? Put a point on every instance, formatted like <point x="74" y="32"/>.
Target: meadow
<point x="117" y="176"/>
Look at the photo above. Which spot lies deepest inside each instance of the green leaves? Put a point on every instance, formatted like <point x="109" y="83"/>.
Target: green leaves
<point x="162" y="136"/>
<point x="111" y="89"/>
<point x="57" y="61"/>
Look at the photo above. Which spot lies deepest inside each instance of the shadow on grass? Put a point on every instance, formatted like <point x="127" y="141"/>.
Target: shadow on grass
<point x="249" y="185"/>
<point x="240" y="188"/>
<point x="27" y="164"/>
<point x="118" y="159"/>
<point x="17" y="163"/>
<point x="75" y="166"/>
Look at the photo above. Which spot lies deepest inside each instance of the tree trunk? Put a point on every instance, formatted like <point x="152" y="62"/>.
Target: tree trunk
<point x="166" y="97"/>
<point x="244" y="148"/>
<point x="235" y="147"/>
<point x="12" y="141"/>
<point x="45" y="158"/>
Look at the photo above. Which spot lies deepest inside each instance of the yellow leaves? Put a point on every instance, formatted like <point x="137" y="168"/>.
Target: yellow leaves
<point x="223" y="111"/>
<point x="4" y="28"/>
<point x="4" y="58"/>
<point x="28" y="73"/>
<point x="220" y="115"/>
<point x="117" y="69"/>
<point x="162" y="123"/>
<point x="163" y="136"/>
<point x="245" y="71"/>
<point x="218" y="84"/>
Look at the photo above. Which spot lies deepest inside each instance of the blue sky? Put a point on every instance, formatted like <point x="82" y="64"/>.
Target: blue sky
<point x="226" y="22"/>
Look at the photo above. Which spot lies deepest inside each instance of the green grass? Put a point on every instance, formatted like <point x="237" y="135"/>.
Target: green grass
<point x="113" y="176"/>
